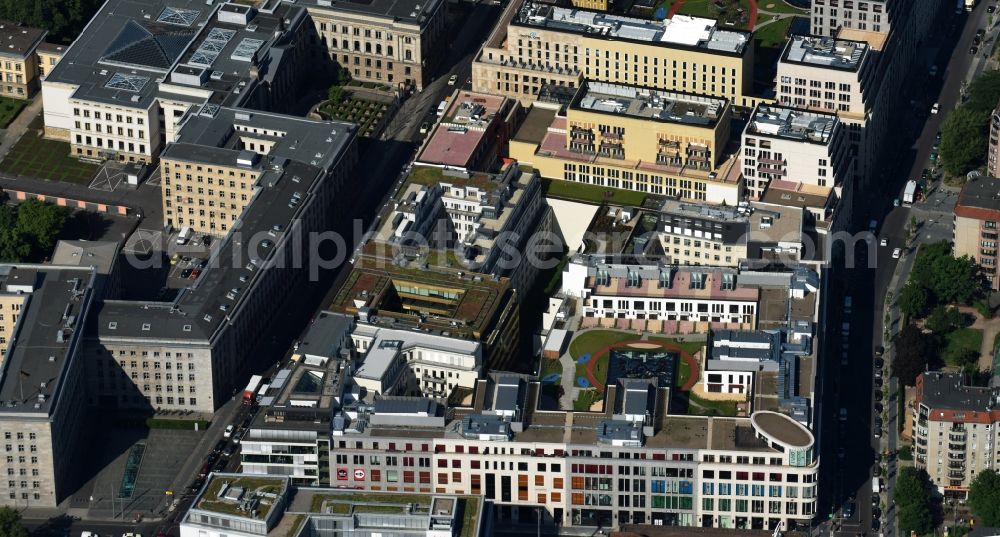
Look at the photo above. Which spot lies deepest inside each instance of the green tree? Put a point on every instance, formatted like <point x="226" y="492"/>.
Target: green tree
<point x="10" y="523"/>
<point x="913" y="502"/>
<point x="913" y="300"/>
<point x="914" y="352"/>
<point x="944" y="320"/>
<point x="41" y="222"/>
<point x="984" y="497"/>
<point x="963" y="141"/>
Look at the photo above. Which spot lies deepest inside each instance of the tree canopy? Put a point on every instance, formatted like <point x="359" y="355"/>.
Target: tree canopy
<point x="944" y="320"/>
<point x="10" y="523"/>
<point x="944" y="278"/>
<point x="913" y="300"/>
<point x="28" y="231"/>
<point x="913" y="502"/>
<point x="64" y="19"/>
<point x="915" y="350"/>
<point x="984" y="497"/>
<point x="964" y="131"/>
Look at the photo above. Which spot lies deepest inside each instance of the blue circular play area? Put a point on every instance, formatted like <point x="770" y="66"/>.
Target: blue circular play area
<point x="582" y="382"/>
<point x="583" y="359"/>
<point x="551" y="378"/>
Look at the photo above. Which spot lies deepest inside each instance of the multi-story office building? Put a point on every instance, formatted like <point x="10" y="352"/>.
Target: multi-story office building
<point x="829" y="16"/>
<point x="43" y="312"/>
<point x="690" y="299"/>
<point x="469" y="220"/>
<point x="430" y="365"/>
<point x="793" y="146"/>
<point x="472" y="134"/>
<point x="435" y="299"/>
<point x="635" y="138"/>
<point x="190" y="353"/>
<point x="835" y="76"/>
<point x="719" y="235"/>
<point x="993" y="148"/>
<point x="19" y="60"/>
<point x="632" y="462"/>
<point x="535" y="44"/>
<point x="254" y="506"/>
<point x="977" y="213"/>
<point x="383" y="41"/>
<point x="216" y="166"/>
<point x="128" y="80"/>
<point x="955" y="430"/>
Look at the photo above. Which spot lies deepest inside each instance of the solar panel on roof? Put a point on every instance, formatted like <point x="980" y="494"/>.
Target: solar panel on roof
<point x="127" y="82"/>
<point x="178" y="16"/>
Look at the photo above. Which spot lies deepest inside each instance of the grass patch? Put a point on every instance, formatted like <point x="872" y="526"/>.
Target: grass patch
<point x="704" y="407"/>
<point x="470" y="516"/>
<point x="164" y="423"/>
<point x="366" y="114"/>
<point x="296" y="525"/>
<point x="773" y="35"/>
<point x="683" y="373"/>
<point x="586" y="399"/>
<point x="962" y="342"/>
<point x="733" y="13"/>
<point x="34" y="156"/>
<point x="778" y="6"/>
<point x="553" y="277"/>
<point x="558" y="188"/>
<point x="595" y="340"/>
<point x="347" y="499"/>
<point x="690" y="347"/>
<point x="210" y="502"/>
<point x="9" y="109"/>
<point x="550" y="367"/>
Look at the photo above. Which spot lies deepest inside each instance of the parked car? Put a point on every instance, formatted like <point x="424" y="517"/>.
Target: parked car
<point x="195" y="273"/>
<point x="879" y="363"/>
<point x="933" y="70"/>
<point x="424" y="127"/>
<point x="883" y="242"/>
<point x="878" y="380"/>
<point x="896" y="253"/>
<point x="186" y="273"/>
<point x="228" y="432"/>
<point x="991" y="9"/>
<point x="973" y="50"/>
<point x="935" y="108"/>
<point x="878" y="395"/>
<point x="452" y="79"/>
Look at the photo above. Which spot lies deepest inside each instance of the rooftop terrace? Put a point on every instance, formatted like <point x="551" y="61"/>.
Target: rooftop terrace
<point x="792" y="124"/>
<point x="645" y="103"/>
<point x="826" y="52"/>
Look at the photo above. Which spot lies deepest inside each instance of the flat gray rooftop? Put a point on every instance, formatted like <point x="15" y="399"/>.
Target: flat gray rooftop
<point x="645" y="103"/>
<point x="982" y="192"/>
<point x="681" y="31"/>
<point x="126" y="47"/>
<point x="948" y="391"/>
<point x="826" y="52"/>
<point x="792" y="123"/>
<point x="49" y="325"/>
<point x="17" y="40"/>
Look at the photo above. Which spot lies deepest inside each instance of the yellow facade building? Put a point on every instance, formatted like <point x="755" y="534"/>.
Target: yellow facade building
<point x="538" y="44"/>
<point x="635" y="138"/>
<point x="19" y="78"/>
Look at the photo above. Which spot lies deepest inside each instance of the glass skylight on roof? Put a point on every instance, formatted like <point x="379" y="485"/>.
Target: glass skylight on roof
<point x="178" y="16"/>
<point x="127" y="82"/>
<point x="210" y="48"/>
<point x="246" y="49"/>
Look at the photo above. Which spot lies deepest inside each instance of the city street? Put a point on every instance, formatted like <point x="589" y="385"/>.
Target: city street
<point x="848" y="478"/>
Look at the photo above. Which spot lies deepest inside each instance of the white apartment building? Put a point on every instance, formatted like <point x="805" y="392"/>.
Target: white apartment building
<point x="793" y="146"/>
<point x="409" y="362"/>
<point x="836" y="76"/>
<point x="829" y="16"/>
<point x="689" y="298"/>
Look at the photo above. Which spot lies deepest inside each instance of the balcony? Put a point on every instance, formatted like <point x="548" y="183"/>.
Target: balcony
<point x="956" y="475"/>
<point x="957" y="463"/>
<point x="956" y="447"/>
<point x="956" y="436"/>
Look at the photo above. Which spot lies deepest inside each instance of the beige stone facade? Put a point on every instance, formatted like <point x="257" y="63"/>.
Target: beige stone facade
<point x="204" y="197"/>
<point x="395" y="49"/>
<point x="520" y="57"/>
<point x="10" y="310"/>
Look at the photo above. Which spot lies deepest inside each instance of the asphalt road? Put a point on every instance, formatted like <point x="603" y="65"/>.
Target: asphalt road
<point x="850" y="459"/>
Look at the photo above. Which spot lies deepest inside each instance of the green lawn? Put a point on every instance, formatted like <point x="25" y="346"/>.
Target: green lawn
<point x="559" y="188"/>
<point x="586" y="399"/>
<point x="777" y="6"/>
<point x="595" y="340"/>
<point x="966" y="340"/>
<point x="35" y="156"/>
<point x="703" y="407"/>
<point x="550" y="366"/>
<point x="709" y="9"/>
<point x="690" y="347"/>
<point x="773" y="35"/>
<point x="683" y="373"/>
<point x="9" y="109"/>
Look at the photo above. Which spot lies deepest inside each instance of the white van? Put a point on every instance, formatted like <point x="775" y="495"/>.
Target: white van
<point x="184" y="235"/>
<point x="876" y="485"/>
